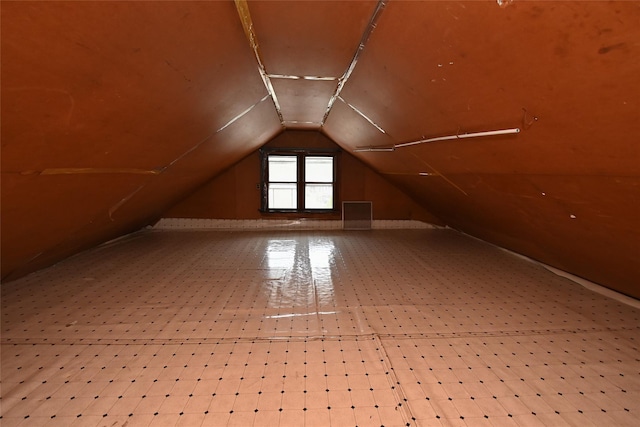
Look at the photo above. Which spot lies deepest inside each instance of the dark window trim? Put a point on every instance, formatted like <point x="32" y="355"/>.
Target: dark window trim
<point x="301" y="153"/>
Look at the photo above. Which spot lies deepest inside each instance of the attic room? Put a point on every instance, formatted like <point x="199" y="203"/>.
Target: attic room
<point x="320" y="213"/>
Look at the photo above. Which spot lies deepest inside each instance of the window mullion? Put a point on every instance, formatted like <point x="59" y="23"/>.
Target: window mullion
<point x="301" y="182"/>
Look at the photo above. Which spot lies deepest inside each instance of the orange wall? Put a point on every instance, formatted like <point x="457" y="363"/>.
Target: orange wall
<point x="235" y="193"/>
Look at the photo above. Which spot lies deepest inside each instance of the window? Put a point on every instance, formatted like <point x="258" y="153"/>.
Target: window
<point x="298" y="180"/>
<point x="283" y="182"/>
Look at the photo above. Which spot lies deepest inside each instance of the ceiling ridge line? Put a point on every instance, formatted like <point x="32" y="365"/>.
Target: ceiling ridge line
<point x="352" y="65"/>
<point x="247" y="25"/>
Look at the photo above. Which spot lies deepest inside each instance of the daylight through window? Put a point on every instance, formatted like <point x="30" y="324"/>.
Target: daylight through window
<point x="299" y="181"/>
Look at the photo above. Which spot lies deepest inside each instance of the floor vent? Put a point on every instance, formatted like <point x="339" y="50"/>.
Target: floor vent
<point x="356" y="215"/>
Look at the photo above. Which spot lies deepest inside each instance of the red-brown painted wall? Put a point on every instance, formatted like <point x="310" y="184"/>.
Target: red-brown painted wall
<point x="114" y="111"/>
<point x="234" y="194"/>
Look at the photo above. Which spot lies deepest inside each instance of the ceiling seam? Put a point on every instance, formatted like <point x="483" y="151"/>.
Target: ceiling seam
<point x="86" y="171"/>
<point x="247" y="25"/>
<point x="352" y="65"/>
<point x="242" y="114"/>
<point x="438" y="173"/>
<point x="208" y="137"/>
<point x="364" y="116"/>
<point x="290" y="77"/>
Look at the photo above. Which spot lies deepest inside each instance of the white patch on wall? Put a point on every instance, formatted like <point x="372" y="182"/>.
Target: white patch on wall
<point x="193" y="224"/>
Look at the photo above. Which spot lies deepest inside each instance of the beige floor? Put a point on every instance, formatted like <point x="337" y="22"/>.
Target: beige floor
<point x="318" y="328"/>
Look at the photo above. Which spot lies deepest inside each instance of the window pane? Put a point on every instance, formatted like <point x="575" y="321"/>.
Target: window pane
<point x="283" y="196"/>
<point x="283" y="168"/>
<point x="318" y="169"/>
<point x="318" y="196"/>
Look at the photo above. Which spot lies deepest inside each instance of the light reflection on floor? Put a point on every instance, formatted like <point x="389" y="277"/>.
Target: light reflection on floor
<point x="323" y="328"/>
<point x="308" y="280"/>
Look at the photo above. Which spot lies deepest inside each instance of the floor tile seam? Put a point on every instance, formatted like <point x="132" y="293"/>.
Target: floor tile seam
<point x="394" y="382"/>
<point x="178" y="341"/>
<point x="496" y="334"/>
<point x="212" y="340"/>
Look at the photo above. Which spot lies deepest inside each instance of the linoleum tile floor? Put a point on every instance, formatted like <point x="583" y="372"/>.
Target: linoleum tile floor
<point x="313" y="328"/>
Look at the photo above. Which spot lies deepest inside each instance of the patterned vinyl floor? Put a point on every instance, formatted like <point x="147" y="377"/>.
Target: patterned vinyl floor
<point x="313" y="328"/>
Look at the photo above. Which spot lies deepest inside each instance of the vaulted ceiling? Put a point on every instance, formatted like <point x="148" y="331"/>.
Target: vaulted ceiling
<point x="114" y="111"/>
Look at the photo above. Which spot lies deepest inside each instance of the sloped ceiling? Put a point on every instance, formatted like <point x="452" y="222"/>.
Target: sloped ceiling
<point x="113" y="111"/>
